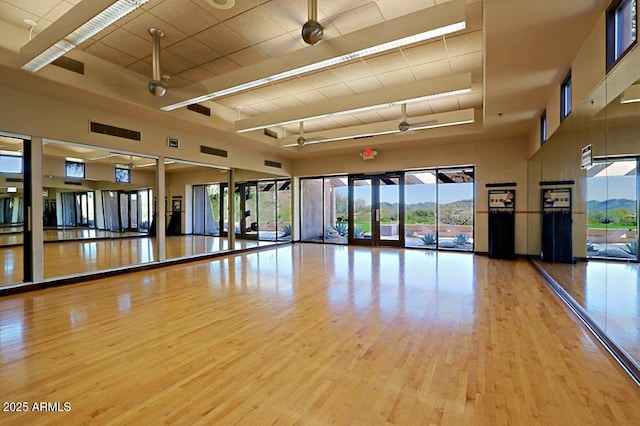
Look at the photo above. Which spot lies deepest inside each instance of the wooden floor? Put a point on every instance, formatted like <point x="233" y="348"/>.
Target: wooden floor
<point x="70" y="257"/>
<point x="609" y="291"/>
<point x="311" y="334"/>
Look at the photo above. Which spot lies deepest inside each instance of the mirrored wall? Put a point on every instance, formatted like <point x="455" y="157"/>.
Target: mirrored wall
<point x="584" y="204"/>
<point x="99" y="209"/>
<point x="11" y="210"/>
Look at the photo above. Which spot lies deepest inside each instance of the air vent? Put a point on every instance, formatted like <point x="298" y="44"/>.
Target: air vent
<point x="70" y="182"/>
<point x="69" y="64"/>
<point x="200" y="109"/>
<point x="271" y="133"/>
<point x="213" y="151"/>
<point x="272" y="164"/>
<point x="14" y="180"/>
<point x="118" y="132"/>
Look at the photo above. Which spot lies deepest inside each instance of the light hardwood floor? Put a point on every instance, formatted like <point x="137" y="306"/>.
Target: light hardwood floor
<point x="311" y="334"/>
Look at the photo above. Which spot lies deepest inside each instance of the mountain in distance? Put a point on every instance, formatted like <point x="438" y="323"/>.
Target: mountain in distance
<point x="616" y="203"/>
<point x="430" y="205"/>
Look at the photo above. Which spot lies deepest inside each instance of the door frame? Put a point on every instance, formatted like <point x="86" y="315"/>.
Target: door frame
<point x="376" y="239"/>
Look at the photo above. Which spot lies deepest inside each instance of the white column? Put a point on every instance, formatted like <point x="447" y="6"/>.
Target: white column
<point x="231" y="234"/>
<point x="34" y="216"/>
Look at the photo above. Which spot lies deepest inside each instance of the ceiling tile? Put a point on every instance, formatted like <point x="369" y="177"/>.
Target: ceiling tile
<point x="59" y="10"/>
<point x="391" y="9"/>
<point x="346" y="120"/>
<point x="243" y="100"/>
<point x="289" y="14"/>
<point x="418" y="109"/>
<point x="193" y="51"/>
<point x="129" y="43"/>
<point x="432" y="70"/>
<point x="352" y="71"/>
<point x="279" y="45"/>
<point x="240" y="7"/>
<point x="464" y="63"/>
<point x="264" y="107"/>
<point x="220" y="66"/>
<point x="187" y="16"/>
<point x="140" y="26"/>
<point x="177" y="82"/>
<point x="320" y="79"/>
<point x="465" y="43"/>
<point x="390" y="61"/>
<point x="334" y="8"/>
<point x="287" y="102"/>
<point x="110" y="54"/>
<point x="104" y="32"/>
<point x="255" y="26"/>
<point x="129" y="16"/>
<point x="357" y="18"/>
<point x="196" y="74"/>
<point x="14" y="15"/>
<point x="368" y="117"/>
<point x="396" y="78"/>
<point x="336" y="91"/>
<point x="141" y="67"/>
<point x="223" y="39"/>
<point x="390" y="113"/>
<point x="173" y="64"/>
<point x="310" y="97"/>
<point x="37" y="7"/>
<point x="424" y="53"/>
<point x="365" y="84"/>
<point x="247" y="56"/>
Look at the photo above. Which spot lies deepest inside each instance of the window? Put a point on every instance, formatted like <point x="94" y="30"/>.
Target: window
<point x="543" y="127"/>
<point x="622" y="24"/>
<point x="565" y="97"/>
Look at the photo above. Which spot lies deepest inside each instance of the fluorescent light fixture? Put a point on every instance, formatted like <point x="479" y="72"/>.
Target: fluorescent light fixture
<point x="445" y="119"/>
<point x="83" y="21"/>
<point x="77" y="160"/>
<point x="413" y="28"/>
<point x="408" y="93"/>
<point x="631" y="95"/>
<point x="361" y="109"/>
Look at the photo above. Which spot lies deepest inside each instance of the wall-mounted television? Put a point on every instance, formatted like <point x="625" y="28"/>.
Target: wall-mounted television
<point x="123" y="175"/>
<point x="74" y="169"/>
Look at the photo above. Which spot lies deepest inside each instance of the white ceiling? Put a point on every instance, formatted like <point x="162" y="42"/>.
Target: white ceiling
<point x="515" y="51"/>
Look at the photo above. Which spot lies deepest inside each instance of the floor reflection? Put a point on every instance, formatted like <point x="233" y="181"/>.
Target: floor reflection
<point x="609" y="292"/>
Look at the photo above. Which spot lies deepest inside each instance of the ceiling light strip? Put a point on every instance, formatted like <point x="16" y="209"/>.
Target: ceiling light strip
<point x="452" y="12"/>
<point x="86" y="29"/>
<point x="360" y="109"/>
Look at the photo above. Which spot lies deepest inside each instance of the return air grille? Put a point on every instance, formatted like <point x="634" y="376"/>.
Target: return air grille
<point x="272" y="164"/>
<point x="213" y="151"/>
<point x="118" y="132"/>
<point x="14" y="180"/>
<point x="69" y="64"/>
<point x="200" y="109"/>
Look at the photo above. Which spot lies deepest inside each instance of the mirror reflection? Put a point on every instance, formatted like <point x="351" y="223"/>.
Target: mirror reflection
<point x="11" y="209"/>
<point x="602" y="275"/>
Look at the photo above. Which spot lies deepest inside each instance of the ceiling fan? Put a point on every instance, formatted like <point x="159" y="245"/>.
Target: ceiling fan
<point x="404" y="126"/>
<point x="157" y="86"/>
<point x="302" y="141"/>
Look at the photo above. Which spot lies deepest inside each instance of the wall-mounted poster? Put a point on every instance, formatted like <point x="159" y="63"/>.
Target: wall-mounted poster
<point x="557" y="198"/>
<point x="502" y="199"/>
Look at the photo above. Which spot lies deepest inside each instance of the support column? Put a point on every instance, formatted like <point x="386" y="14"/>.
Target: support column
<point x="33" y="226"/>
<point x="160" y="211"/>
<point x="231" y="229"/>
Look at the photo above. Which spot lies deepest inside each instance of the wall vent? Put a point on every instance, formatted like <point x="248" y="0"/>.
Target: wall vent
<point x="71" y="182"/>
<point x="69" y="64"/>
<point x="269" y="163"/>
<point x="213" y="151"/>
<point x="118" y="132"/>
<point x="14" y="180"/>
<point x="271" y="133"/>
<point x="200" y="109"/>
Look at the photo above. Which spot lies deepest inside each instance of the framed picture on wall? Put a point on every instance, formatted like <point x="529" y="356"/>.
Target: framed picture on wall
<point x="176" y="204"/>
<point x="502" y="199"/>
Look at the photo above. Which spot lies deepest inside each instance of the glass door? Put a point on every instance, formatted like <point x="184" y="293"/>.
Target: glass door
<point x="375" y="213"/>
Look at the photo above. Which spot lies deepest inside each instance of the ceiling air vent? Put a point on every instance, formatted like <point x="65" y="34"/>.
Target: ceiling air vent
<point x="69" y="64"/>
<point x="213" y="151"/>
<point x="200" y="109"/>
<point x="272" y="164"/>
<point x="271" y="133"/>
<point x="118" y="132"/>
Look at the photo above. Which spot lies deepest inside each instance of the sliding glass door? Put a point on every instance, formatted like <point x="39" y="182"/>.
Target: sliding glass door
<point x="374" y="210"/>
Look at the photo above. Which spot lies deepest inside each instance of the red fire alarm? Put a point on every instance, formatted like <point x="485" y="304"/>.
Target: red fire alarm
<point x="368" y="154"/>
